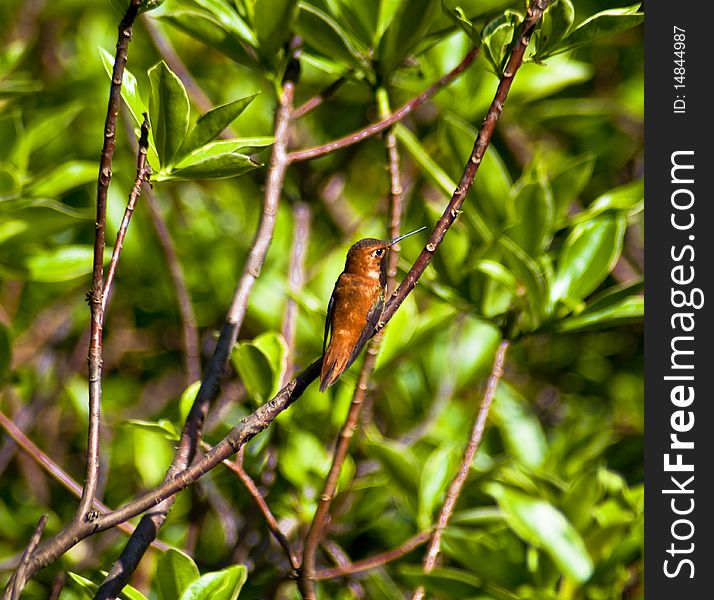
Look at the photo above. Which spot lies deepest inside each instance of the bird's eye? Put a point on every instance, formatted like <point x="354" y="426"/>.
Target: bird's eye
<point x="379" y="252"/>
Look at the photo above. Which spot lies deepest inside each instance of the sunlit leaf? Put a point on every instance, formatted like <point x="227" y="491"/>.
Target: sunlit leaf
<point x="168" y="111"/>
<point x="174" y="572"/>
<point x="543" y="526"/>
<point x="209" y="125"/>
<point x="220" y="585"/>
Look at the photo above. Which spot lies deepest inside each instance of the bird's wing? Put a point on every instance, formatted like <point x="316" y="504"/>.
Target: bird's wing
<point x="373" y="317"/>
<point x="328" y="319"/>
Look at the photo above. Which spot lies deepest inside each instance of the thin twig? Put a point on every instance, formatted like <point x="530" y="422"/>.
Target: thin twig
<point x="143" y="171"/>
<point x="296" y="279"/>
<point x="237" y="467"/>
<point x="378" y="560"/>
<point x="150" y="524"/>
<point x="457" y="483"/>
<point x="34" y="540"/>
<point x="318" y="99"/>
<point x="375" y="128"/>
<point x="59" y="474"/>
<point x="319" y="521"/>
<point x="189" y="328"/>
<point x="94" y="355"/>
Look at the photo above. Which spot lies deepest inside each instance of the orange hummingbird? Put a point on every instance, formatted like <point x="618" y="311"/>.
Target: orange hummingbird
<point x="355" y="305"/>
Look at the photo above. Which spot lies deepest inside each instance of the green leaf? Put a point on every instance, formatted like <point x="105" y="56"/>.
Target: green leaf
<point x="210" y="124"/>
<point x="229" y="18"/>
<point x="61" y="264"/>
<point x="229" y="164"/>
<point x="215" y="149"/>
<point x="62" y="178"/>
<point x="587" y="257"/>
<point x="499" y="273"/>
<point x="445" y="583"/>
<point x="187" y="399"/>
<point x="220" y="585"/>
<point x="542" y="525"/>
<point x="399" y="462"/>
<point x="629" y="197"/>
<point x="520" y="428"/>
<point x="387" y="11"/>
<point x="174" y="572"/>
<point x="275" y="350"/>
<point x="601" y="25"/>
<point x="459" y="18"/>
<point x="168" y="111"/>
<point x="254" y="370"/>
<point x="621" y="305"/>
<point x="438" y="471"/>
<point x="408" y="27"/>
<point x="556" y="22"/>
<point x="497" y="36"/>
<point x="481" y="554"/>
<point x="531" y="279"/>
<point x="569" y="181"/>
<point x="209" y="31"/>
<point x="163" y="427"/>
<point x="324" y="34"/>
<point x="273" y="23"/>
<point x="531" y="209"/>
<point x="87" y="587"/>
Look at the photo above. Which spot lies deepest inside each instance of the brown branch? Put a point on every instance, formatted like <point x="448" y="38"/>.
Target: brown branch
<point x="319" y="521"/>
<point x="150" y="524"/>
<point x="94" y="355"/>
<point x="17" y="583"/>
<point x="378" y="560"/>
<point x="44" y="461"/>
<point x="318" y="99"/>
<point x="189" y="328"/>
<point x="296" y="279"/>
<point x="457" y="483"/>
<point x="398" y="115"/>
<point x="143" y="171"/>
<point x="483" y="139"/>
<point x="237" y="467"/>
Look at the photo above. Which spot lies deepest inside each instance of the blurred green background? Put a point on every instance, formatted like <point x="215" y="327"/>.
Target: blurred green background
<point x="548" y="248"/>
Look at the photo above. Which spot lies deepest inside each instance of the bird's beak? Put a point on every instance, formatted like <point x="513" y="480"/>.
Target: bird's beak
<point x="401" y="237"/>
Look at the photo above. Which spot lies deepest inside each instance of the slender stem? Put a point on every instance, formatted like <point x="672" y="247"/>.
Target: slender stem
<point x="378" y="560"/>
<point x="270" y="520"/>
<point x="44" y="461"/>
<point x="150" y="524"/>
<point x="296" y="279"/>
<point x="94" y="355"/>
<point x="319" y="521"/>
<point x="143" y="171"/>
<point x="318" y="99"/>
<point x="18" y="582"/>
<point x="457" y="483"/>
<point x="398" y="115"/>
<point x="189" y="328"/>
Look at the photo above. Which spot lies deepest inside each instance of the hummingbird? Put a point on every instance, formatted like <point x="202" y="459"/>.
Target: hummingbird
<point x="355" y="306"/>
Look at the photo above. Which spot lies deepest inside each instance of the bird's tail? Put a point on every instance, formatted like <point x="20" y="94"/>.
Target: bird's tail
<point x="335" y="361"/>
